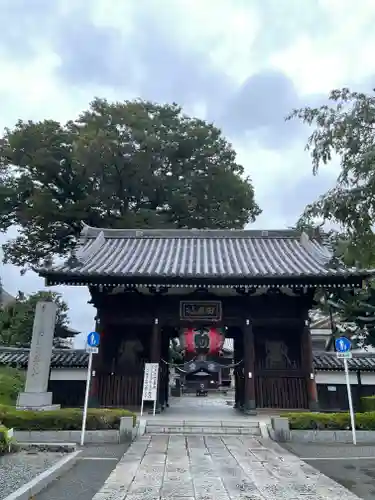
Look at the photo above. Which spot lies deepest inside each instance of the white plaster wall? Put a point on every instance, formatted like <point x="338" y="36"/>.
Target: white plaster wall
<point x="334" y="378"/>
<point x="329" y="378"/>
<point x="68" y="374"/>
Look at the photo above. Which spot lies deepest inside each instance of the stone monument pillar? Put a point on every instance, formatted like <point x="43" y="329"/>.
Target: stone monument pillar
<point x="36" y="396"/>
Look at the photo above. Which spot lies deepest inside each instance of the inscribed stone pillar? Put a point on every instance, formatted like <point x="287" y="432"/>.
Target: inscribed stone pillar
<point x="249" y="366"/>
<point x="36" y="395"/>
<point x="308" y="366"/>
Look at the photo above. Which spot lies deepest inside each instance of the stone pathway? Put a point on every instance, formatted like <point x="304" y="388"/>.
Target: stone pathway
<point x="175" y="467"/>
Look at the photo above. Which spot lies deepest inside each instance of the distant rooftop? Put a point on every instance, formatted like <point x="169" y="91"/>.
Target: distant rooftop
<point x="5" y="298"/>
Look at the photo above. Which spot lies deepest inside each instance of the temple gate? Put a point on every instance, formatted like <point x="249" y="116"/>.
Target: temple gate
<point x="256" y="286"/>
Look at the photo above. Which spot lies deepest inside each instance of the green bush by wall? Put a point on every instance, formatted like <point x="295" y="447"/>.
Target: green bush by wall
<point x="330" y="421"/>
<point x="5" y="442"/>
<point x="64" y="419"/>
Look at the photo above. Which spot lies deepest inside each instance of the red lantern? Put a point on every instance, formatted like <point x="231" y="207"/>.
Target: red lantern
<point x="204" y="340"/>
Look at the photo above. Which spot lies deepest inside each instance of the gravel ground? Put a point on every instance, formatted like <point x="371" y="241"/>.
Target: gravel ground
<point x="19" y="468"/>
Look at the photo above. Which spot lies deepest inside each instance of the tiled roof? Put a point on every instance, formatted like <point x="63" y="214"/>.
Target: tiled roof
<point x="74" y="358"/>
<point x="183" y="254"/>
<point x="61" y="358"/>
<point x="321" y="323"/>
<point x="359" y="361"/>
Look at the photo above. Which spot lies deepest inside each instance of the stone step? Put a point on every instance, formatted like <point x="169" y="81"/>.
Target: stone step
<point x="202" y="428"/>
<point x="202" y="431"/>
<point x="238" y="424"/>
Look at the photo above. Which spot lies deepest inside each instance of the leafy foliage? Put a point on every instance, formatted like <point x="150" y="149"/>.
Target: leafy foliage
<point x="354" y="314"/>
<point x="5" y="441"/>
<point x="130" y="164"/>
<point x="345" y="131"/>
<point x="17" y="318"/>
<point x="12" y="381"/>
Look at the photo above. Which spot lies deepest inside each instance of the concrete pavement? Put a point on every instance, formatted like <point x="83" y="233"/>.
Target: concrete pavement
<point x="352" y="466"/>
<point x="85" y="479"/>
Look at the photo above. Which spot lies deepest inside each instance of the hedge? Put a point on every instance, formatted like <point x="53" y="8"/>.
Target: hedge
<point x="330" y="421"/>
<point x="66" y="419"/>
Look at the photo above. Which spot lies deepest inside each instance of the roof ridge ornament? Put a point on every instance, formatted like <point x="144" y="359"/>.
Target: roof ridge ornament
<point x="85" y="230"/>
<point x="83" y="255"/>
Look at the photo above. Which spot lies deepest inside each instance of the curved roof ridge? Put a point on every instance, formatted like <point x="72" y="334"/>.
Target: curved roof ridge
<point x="89" y="232"/>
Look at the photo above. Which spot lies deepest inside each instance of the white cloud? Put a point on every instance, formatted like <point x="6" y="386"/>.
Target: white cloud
<point x="341" y="57"/>
<point x="234" y="40"/>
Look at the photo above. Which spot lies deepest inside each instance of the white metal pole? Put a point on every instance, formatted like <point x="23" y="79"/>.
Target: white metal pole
<point x="84" y="418"/>
<point x="154" y="410"/>
<point x="351" y="411"/>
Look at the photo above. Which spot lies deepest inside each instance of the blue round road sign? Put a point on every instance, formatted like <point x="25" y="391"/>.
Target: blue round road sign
<point x="343" y="344"/>
<point x="93" y="339"/>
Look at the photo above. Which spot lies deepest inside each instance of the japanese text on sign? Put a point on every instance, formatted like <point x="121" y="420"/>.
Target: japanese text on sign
<point x="150" y="382"/>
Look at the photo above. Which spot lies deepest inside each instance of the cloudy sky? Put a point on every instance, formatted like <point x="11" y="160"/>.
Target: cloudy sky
<point x="243" y="64"/>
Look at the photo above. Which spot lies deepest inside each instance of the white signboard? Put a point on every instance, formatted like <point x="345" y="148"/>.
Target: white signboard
<point x="150" y="384"/>
<point x="344" y="355"/>
<point x="92" y="350"/>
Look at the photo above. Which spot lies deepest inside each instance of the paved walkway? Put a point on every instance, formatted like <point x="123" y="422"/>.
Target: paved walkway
<point x="215" y="468"/>
<point x="213" y="407"/>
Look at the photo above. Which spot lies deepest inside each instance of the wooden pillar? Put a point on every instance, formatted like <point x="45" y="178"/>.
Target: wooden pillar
<point x="164" y="377"/>
<point x="155" y="355"/>
<point x="359" y="392"/>
<point x="236" y="359"/>
<point x="249" y="366"/>
<point x="308" y="367"/>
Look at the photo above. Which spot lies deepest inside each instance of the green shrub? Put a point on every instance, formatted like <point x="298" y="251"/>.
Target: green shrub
<point x="64" y="419"/>
<point x="330" y="421"/>
<point x="5" y="442"/>
<point x="12" y="381"/>
<point x="368" y="403"/>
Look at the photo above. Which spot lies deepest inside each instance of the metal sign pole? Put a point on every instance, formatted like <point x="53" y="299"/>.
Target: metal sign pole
<point x="351" y="411"/>
<point x="84" y="418"/>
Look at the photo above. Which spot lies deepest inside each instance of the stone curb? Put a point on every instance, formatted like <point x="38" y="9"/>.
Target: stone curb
<point x="53" y="447"/>
<point x="40" y="482"/>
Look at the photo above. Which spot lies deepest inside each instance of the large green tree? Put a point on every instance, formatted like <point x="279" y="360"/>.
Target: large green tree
<point x="125" y="164"/>
<point x="344" y="131"/>
<point x="16" y="320"/>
